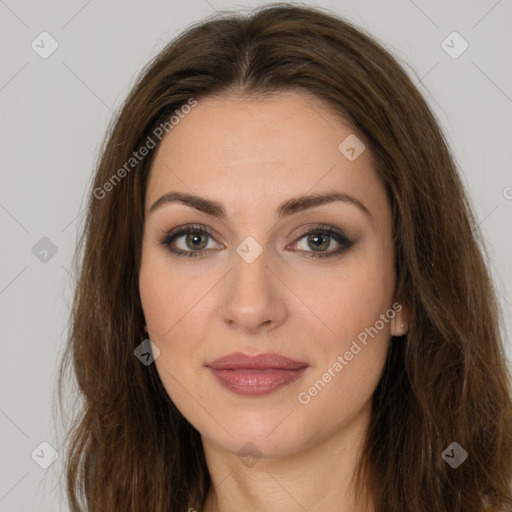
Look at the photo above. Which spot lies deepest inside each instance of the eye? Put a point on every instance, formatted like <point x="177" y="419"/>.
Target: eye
<point x="192" y="241"/>
<point x="320" y="238"/>
<point x="194" y="238"/>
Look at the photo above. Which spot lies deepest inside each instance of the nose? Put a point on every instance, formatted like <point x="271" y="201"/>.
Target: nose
<point x="255" y="297"/>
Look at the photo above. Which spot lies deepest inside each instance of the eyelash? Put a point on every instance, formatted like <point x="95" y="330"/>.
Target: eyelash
<point x="323" y="229"/>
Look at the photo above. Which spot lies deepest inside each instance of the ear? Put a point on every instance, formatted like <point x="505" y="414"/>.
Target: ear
<point x="400" y="322"/>
<point x="146" y="328"/>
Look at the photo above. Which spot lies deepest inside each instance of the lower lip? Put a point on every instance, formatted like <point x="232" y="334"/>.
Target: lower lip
<point x="256" y="382"/>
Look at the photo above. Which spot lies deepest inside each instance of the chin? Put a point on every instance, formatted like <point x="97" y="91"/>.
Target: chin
<point x="276" y="433"/>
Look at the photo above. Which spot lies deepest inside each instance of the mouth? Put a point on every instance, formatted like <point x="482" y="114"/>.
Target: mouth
<point x="256" y="375"/>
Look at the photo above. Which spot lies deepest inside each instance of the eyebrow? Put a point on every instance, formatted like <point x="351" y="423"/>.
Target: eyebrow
<point x="289" y="207"/>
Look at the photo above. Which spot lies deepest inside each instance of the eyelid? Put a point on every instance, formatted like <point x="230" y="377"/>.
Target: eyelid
<point x="324" y="228"/>
<point x="186" y="228"/>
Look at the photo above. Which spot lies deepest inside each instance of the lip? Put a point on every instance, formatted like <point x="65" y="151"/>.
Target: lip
<point x="255" y="375"/>
<point x="240" y="361"/>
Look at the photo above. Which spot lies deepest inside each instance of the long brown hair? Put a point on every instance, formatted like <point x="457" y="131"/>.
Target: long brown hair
<point x="446" y="381"/>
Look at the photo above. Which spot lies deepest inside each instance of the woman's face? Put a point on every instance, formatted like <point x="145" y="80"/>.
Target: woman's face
<point x="251" y="281"/>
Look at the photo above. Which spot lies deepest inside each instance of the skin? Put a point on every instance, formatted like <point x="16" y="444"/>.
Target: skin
<point x="252" y="155"/>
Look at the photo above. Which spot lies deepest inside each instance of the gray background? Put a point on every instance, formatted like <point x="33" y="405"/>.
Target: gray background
<point x="54" y="115"/>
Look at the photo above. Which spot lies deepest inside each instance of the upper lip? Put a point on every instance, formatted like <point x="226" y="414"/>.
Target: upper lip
<point x="240" y="361"/>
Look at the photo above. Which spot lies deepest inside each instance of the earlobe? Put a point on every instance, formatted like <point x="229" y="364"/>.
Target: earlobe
<point x="400" y="323"/>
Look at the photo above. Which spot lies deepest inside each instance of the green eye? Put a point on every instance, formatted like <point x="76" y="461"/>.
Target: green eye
<point x="318" y="238"/>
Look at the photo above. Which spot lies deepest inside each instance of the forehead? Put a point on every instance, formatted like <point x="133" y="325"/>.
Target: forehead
<point x="261" y="150"/>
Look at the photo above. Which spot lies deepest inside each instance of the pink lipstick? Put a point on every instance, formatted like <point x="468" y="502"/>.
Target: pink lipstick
<point x="256" y="375"/>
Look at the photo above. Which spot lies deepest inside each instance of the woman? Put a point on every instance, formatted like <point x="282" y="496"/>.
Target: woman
<point x="282" y="302"/>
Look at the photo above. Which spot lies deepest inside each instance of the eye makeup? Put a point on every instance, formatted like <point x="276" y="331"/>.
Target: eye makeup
<point x="319" y="235"/>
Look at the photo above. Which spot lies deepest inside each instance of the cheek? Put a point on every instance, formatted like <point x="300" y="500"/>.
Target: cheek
<point x="174" y="309"/>
<point x="357" y="297"/>
<point x="156" y="301"/>
<point x="353" y="296"/>
<point x="350" y="362"/>
<point x="159" y="295"/>
<point x="165" y="309"/>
